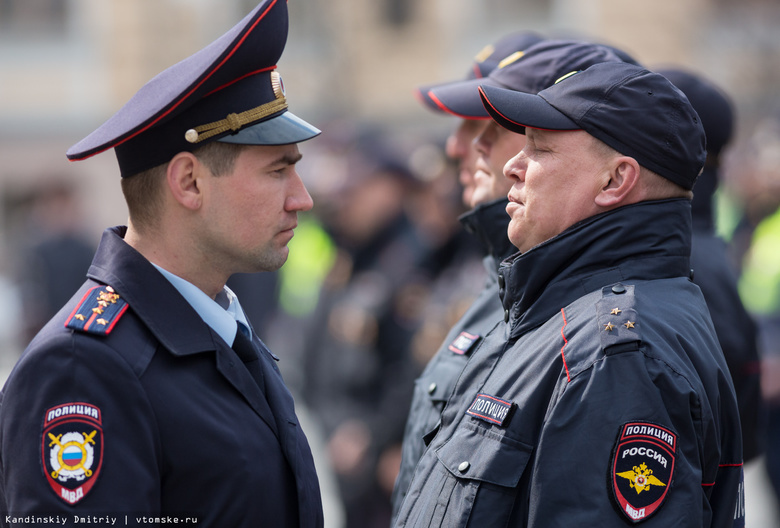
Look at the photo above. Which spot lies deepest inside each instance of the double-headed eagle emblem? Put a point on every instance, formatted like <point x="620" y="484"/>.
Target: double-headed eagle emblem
<point x="641" y="478"/>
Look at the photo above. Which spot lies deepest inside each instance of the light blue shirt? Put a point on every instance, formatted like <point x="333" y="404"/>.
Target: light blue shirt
<point x="224" y="321"/>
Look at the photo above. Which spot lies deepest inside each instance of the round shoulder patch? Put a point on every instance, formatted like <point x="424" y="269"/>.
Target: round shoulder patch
<point x="72" y="449"/>
<point x="642" y="468"/>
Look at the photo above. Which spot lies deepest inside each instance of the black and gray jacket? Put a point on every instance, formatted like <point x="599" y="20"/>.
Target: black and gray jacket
<point x="604" y="400"/>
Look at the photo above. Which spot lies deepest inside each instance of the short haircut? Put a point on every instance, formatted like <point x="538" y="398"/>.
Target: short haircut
<point x="656" y="186"/>
<point x="144" y="191"/>
<point x="219" y="157"/>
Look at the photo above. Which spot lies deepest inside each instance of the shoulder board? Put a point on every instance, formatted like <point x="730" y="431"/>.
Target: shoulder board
<point x="97" y="312"/>
<point x="617" y="316"/>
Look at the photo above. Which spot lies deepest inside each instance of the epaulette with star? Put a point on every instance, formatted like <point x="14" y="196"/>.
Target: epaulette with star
<point x="617" y="315"/>
<point x="98" y="311"/>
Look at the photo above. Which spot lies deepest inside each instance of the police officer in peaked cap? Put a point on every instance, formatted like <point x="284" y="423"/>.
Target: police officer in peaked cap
<point x="149" y="395"/>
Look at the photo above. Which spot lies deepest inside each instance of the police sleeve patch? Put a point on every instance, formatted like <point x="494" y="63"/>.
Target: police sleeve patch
<point x="72" y="449"/>
<point x="98" y="312"/>
<point x="642" y="468"/>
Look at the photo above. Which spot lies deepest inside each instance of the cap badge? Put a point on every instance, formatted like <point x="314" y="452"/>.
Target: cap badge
<point x="277" y="84"/>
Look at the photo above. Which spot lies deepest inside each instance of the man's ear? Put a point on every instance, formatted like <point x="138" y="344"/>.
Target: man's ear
<point x="623" y="174"/>
<point x="183" y="175"/>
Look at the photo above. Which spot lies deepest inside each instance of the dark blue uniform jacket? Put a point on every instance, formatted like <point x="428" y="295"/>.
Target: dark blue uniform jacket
<point x="605" y="399"/>
<point x="488" y="223"/>
<point x="159" y="416"/>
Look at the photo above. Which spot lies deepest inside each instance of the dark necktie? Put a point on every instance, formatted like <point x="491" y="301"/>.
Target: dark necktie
<point x="248" y="354"/>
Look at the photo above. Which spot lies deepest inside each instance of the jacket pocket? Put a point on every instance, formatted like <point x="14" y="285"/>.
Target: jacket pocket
<point x="481" y="471"/>
<point x="432" y="390"/>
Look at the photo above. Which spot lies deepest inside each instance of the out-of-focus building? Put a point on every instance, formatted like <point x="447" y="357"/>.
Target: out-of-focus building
<point x="66" y="65"/>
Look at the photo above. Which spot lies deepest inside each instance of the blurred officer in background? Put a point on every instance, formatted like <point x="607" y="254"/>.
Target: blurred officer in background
<point x="607" y="362"/>
<point x="355" y="348"/>
<point x="759" y="288"/>
<point x="460" y="144"/>
<point x="527" y="71"/>
<point x="149" y="394"/>
<point x="55" y="256"/>
<point x="432" y="388"/>
<point x="712" y="270"/>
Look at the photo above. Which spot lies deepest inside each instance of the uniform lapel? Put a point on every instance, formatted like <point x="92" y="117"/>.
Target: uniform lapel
<point x="281" y="401"/>
<point x="234" y="370"/>
<point x="170" y="317"/>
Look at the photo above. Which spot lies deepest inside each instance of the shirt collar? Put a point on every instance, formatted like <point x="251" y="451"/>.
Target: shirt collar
<point x="222" y="321"/>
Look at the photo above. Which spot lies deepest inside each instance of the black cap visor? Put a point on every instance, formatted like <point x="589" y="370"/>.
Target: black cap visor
<point x="517" y="110"/>
<point x="284" y="129"/>
<point x="422" y="95"/>
<point x="461" y="98"/>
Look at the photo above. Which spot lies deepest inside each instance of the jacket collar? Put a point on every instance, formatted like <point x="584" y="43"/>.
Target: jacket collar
<point x="488" y="222"/>
<point x="153" y="298"/>
<point x="173" y="321"/>
<point x="647" y="240"/>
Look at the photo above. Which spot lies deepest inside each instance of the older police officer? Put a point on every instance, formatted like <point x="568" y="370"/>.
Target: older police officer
<point x="529" y="71"/>
<point x="604" y="399"/>
<point x="149" y="394"/>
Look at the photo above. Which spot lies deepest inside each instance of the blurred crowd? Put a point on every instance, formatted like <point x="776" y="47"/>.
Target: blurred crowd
<point x="391" y="270"/>
<point x="377" y="275"/>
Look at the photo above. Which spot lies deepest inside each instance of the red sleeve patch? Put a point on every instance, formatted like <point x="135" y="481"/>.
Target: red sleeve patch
<point x="72" y="449"/>
<point x="642" y="468"/>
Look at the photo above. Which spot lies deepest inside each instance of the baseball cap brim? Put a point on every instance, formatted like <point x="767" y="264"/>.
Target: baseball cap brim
<point x="461" y="98"/>
<point x="284" y="129"/>
<point x="421" y="93"/>
<point x="517" y="110"/>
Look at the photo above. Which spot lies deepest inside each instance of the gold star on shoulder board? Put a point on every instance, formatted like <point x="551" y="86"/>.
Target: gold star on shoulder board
<point x="615" y="311"/>
<point x="101" y="321"/>
<point x="80" y="317"/>
<point x="629" y="324"/>
<point x="609" y="327"/>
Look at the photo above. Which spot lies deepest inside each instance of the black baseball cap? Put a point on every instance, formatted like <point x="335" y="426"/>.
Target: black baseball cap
<point x="485" y="62"/>
<point x="229" y="91"/>
<point x="714" y="107"/>
<point x="530" y="72"/>
<point x="633" y="110"/>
